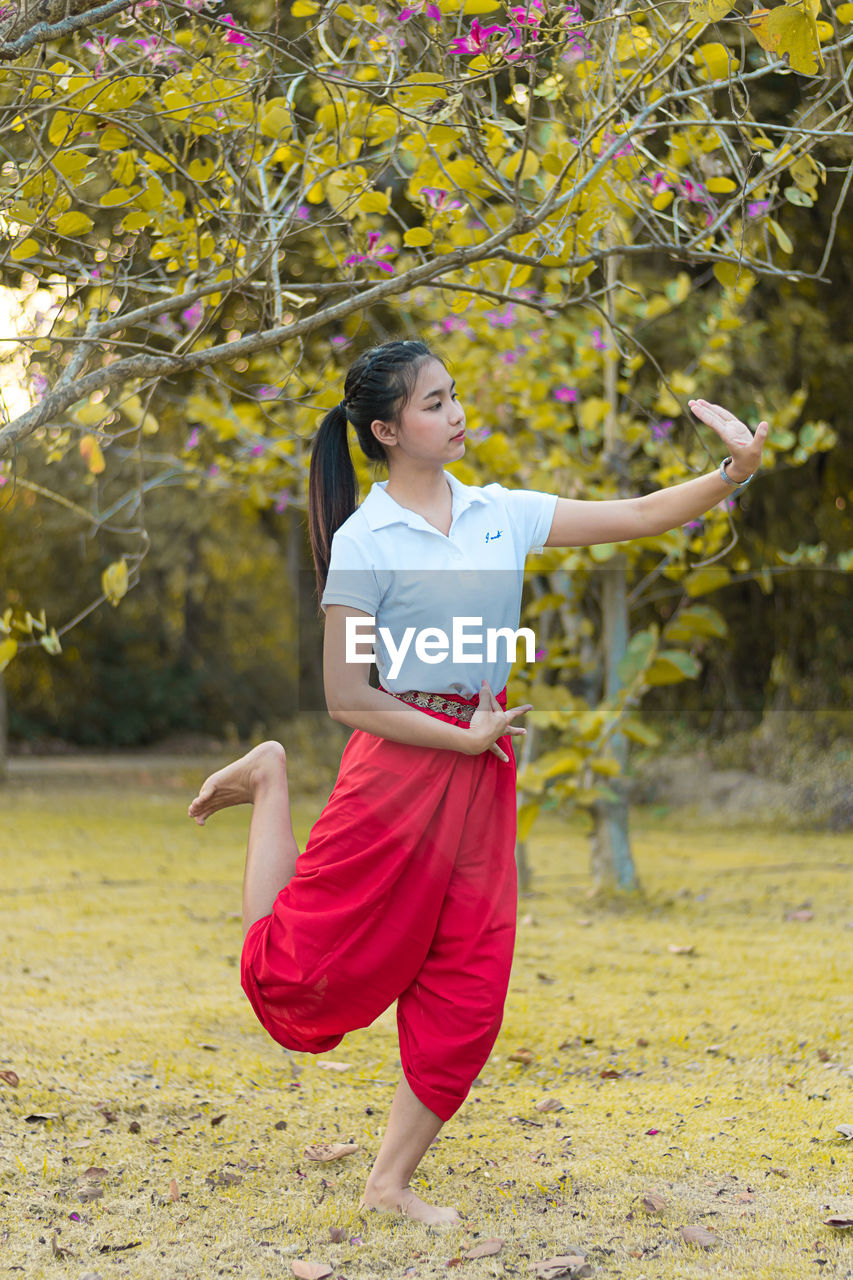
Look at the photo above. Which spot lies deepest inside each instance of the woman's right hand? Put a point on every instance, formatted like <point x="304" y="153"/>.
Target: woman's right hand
<point x="490" y="722"/>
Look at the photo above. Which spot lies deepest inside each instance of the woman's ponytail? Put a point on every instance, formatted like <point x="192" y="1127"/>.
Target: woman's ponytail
<point x="378" y="385"/>
<point x="332" y="488"/>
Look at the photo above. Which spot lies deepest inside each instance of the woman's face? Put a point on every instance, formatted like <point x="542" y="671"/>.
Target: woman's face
<point x="433" y="422"/>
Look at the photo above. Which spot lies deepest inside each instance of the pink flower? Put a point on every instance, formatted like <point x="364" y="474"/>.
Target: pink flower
<point x="693" y="191"/>
<point x="192" y="438"/>
<point x="477" y="40"/>
<point x="597" y="340"/>
<point x="658" y="183"/>
<point x="374" y="252"/>
<point x="540" y="654"/>
<point x="283" y="499"/>
<point x="756" y="207"/>
<point x="257" y="450"/>
<point x="437" y="198"/>
<point x="661" y="430"/>
<point x="568" y="395"/>
<point x="192" y="315"/>
<point x="431" y="10"/>
<point x="234" y="36"/>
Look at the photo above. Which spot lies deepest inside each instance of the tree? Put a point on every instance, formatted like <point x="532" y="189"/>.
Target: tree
<point x="214" y="202"/>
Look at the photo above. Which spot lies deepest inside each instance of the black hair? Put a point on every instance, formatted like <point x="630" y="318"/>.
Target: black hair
<point x="378" y="384"/>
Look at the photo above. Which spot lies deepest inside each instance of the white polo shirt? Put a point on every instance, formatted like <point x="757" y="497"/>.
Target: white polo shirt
<point x="411" y="578"/>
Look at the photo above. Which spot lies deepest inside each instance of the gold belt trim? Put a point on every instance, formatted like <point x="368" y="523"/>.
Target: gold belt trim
<point x="436" y="702"/>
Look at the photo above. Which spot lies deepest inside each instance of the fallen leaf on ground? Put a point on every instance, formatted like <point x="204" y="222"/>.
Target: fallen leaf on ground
<point x="609" y="1074"/>
<point x="522" y="1055"/>
<point x="549" y="1104"/>
<point x="701" y="1237"/>
<point x="41" y="1115"/>
<point x="840" y="1223"/>
<point x="214" y="1120"/>
<point x="134" y="1127"/>
<point x="92" y="1192"/>
<point x="94" y="1173"/>
<point x="799" y="915"/>
<point x="331" y="1150"/>
<point x="583" y="924"/>
<point x="337" y="1235"/>
<point x="846" y="1130"/>
<point x="780" y="1173"/>
<point x="545" y="977"/>
<point x="334" y="1066"/>
<point x="572" y="1265"/>
<point x="653" y="1202"/>
<point x="174" y="1193"/>
<point x="310" y="1270"/>
<point x="678" y="949"/>
<point x="223" y="1179"/>
<point x="744" y="1197"/>
<point x="485" y="1249"/>
<point x="11" y="1077"/>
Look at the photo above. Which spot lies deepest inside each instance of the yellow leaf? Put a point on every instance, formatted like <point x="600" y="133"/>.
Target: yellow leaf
<point x="92" y="455"/>
<point x="304" y="8"/>
<point x="70" y="162"/>
<point x="709" y="10"/>
<point x="662" y="200"/>
<point x="527" y="814"/>
<point x="73" y="223"/>
<point x="118" y="195"/>
<point x="714" y="61"/>
<point x="844" y="13"/>
<point x="8" y="649"/>
<point x="782" y="238"/>
<point x="114" y="581"/>
<point x="201" y="170"/>
<point x="417" y="237"/>
<point x="373" y="202"/>
<point x="25" y="249"/>
<point x="721" y="186"/>
<point x="112" y="138"/>
<point x="531" y="165"/>
<point x="702" y="581"/>
<point x="136" y="220"/>
<point x="789" y="30"/>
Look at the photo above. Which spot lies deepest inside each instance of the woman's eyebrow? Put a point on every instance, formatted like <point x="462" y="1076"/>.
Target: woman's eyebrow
<point x="438" y="390"/>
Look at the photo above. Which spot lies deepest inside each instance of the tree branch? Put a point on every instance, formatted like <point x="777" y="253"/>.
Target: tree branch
<point x="54" y="18"/>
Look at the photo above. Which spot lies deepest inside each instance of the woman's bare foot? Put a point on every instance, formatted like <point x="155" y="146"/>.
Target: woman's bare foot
<point x="403" y="1200"/>
<point x="238" y="781"/>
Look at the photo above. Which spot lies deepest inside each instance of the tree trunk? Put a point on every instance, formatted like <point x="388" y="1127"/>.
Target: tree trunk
<point x="4" y="730"/>
<point x="611" y="857"/>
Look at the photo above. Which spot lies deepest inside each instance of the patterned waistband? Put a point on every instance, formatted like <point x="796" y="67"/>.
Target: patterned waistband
<point x="437" y="702"/>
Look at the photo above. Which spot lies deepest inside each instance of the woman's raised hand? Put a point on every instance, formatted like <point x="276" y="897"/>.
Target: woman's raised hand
<point x="744" y="447"/>
<point x="490" y="722"/>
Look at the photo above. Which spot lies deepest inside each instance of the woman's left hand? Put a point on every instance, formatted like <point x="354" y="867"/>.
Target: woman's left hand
<point x="744" y="447"/>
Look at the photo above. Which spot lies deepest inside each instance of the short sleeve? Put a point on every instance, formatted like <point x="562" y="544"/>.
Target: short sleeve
<point x="532" y="513"/>
<point x="351" y="579"/>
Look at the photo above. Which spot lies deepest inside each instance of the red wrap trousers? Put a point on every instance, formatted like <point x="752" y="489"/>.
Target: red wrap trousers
<point x="406" y="891"/>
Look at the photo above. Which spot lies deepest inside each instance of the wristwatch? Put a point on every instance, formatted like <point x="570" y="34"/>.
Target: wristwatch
<point x="736" y="484"/>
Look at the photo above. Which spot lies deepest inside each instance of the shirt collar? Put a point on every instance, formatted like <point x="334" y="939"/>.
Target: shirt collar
<point x="380" y="509"/>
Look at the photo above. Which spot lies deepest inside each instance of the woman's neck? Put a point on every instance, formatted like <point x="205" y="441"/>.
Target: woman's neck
<point x="419" y="490"/>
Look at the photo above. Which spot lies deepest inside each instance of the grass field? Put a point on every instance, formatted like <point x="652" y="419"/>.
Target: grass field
<point x="699" y="1045"/>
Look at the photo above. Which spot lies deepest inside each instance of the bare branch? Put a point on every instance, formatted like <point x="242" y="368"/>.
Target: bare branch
<point x="49" y="20"/>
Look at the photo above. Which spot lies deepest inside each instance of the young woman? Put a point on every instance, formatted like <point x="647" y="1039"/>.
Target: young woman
<point x="406" y="889"/>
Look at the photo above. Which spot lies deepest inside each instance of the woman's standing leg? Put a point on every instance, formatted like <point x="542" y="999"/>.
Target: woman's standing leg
<point x="260" y="779"/>
<point x="410" y="1129"/>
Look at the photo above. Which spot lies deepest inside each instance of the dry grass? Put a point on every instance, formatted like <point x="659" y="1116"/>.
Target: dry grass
<point x="122" y="1007"/>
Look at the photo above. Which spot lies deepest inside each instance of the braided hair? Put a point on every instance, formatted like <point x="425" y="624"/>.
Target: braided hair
<point x="378" y="384"/>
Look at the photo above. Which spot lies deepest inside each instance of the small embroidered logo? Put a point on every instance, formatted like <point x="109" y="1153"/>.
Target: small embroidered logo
<point x="490" y="537"/>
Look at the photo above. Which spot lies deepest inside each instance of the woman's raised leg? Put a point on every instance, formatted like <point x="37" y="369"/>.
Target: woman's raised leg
<point x="410" y="1130"/>
<point x="260" y="779"/>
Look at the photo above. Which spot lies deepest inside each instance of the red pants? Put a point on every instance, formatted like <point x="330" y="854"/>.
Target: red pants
<point x="406" y="891"/>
